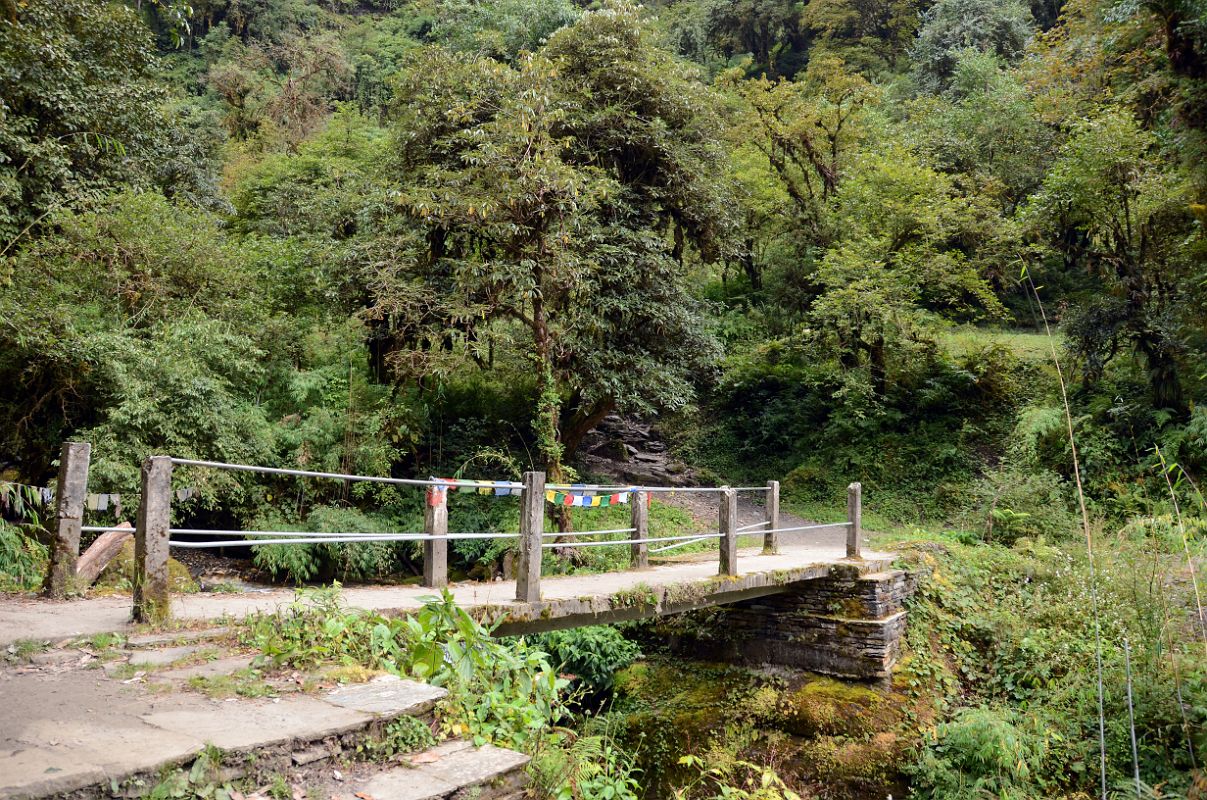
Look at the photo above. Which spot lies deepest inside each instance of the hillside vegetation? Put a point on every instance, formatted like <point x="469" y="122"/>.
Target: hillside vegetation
<point x="929" y="245"/>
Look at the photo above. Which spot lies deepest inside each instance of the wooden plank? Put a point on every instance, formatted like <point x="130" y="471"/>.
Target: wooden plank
<point x="106" y="548"/>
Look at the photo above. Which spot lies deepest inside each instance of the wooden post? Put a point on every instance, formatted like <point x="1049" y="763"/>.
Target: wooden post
<point x="771" y="540"/>
<point x="70" y="493"/>
<point x="639" y="554"/>
<point x="728" y="519"/>
<point x="532" y="525"/>
<point x="151" y="600"/>
<point x="435" y="551"/>
<point x="855" y="521"/>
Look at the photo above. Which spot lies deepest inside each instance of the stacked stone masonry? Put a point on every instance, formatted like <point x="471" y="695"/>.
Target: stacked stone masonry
<point x="845" y="625"/>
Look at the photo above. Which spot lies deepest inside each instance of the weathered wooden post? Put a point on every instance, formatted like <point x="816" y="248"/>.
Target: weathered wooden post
<point x="639" y="554"/>
<point x="435" y="550"/>
<point x="729" y="531"/>
<point x="151" y="600"/>
<point x="771" y="539"/>
<point x="532" y="525"/>
<point x="855" y="521"/>
<point x="70" y="493"/>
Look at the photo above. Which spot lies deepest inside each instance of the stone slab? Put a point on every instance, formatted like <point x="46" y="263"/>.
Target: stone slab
<point x="210" y="669"/>
<point x="387" y="695"/>
<point x="468" y="766"/>
<point x="261" y="723"/>
<point x="162" y="657"/>
<point x="175" y="637"/>
<point x="62" y="756"/>
<point x="443" y="770"/>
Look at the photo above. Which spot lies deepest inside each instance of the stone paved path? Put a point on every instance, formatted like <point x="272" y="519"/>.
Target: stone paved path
<point x="68" y="726"/>
<point x="28" y="618"/>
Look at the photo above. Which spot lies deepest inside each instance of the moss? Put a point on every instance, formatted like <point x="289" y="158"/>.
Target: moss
<point x="640" y="595"/>
<point x="855" y="768"/>
<point x="119" y="573"/>
<point x="824" y="706"/>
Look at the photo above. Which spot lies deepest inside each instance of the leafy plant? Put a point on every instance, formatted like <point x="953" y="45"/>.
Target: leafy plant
<point x="403" y="735"/>
<point x="592" y="654"/>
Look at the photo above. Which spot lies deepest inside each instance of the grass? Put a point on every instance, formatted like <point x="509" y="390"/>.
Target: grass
<point x="962" y="340"/>
<point x="664" y="520"/>
<point x="24" y="649"/>
<point x="247" y="682"/>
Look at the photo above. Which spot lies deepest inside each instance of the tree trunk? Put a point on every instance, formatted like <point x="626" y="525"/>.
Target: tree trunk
<point x="1163" y="379"/>
<point x="581" y="424"/>
<point x="548" y="412"/>
<point x="878" y="366"/>
<point x="100" y="553"/>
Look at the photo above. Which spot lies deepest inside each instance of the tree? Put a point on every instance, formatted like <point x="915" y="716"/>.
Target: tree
<point x="134" y="325"/>
<point x="549" y="206"/>
<point x="911" y="246"/>
<point x="870" y="35"/>
<point x="806" y="129"/>
<point x="985" y="126"/>
<point x="951" y="27"/>
<point x="79" y="111"/>
<point x="1133" y="228"/>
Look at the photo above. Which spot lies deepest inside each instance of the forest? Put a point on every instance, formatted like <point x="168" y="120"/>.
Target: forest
<point x="952" y="249"/>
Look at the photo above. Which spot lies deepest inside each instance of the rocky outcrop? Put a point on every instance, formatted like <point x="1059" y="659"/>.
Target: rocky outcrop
<point x="631" y="451"/>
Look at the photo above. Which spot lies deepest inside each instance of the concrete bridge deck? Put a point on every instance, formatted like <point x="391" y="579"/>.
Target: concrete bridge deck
<point x="566" y="601"/>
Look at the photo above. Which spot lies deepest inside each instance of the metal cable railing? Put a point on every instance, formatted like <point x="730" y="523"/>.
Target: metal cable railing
<point x="155" y="534"/>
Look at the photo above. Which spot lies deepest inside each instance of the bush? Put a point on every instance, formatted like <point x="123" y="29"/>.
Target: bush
<point x="337" y="560"/>
<point x="983" y="752"/>
<point x="504" y="693"/>
<point x="593" y="654"/>
<point x="22" y="560"/>
<point x="1008" y="504"/>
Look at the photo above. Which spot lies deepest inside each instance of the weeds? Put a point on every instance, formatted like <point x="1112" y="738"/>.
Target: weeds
<point x="401" y="736"/>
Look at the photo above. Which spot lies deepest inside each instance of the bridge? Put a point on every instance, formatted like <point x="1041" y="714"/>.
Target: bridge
<point x="828" y="604"/>
<point x="806" y="596"/>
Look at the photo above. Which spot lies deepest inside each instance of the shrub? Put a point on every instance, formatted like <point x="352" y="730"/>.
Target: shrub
<point x="326" y="561"/>
<point x="22" y="560"/>
<point x="983" y="752"/>
<point x="593" y="654"/>
<point x="1008" y="504"/>
<point x="505" y="693"/>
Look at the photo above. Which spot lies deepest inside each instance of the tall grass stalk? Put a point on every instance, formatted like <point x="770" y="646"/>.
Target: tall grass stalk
<point x="1085" y="524"/>
<point x="1166" y="469"/>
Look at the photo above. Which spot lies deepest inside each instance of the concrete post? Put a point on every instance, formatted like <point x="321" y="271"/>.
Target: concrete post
<point x="532" y="525"/>
<point x="729" y="531"/>
<point x="855" y="521"/>
<point x="435" y="551"/>
<point x="771" y="540"/>
<point x="70" y="493"/>
<point x="151" y="600"/>
<point x="639" y="554"/>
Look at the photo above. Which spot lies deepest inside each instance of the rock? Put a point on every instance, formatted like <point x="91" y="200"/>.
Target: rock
<point x="387" y="695"/>
<point x="119" y="574"/>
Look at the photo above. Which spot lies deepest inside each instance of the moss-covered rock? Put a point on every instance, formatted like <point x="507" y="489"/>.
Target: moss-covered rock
<point x="828" y="707"/>
<point x="119" y="574"/>
<point x="826" y="737"/>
